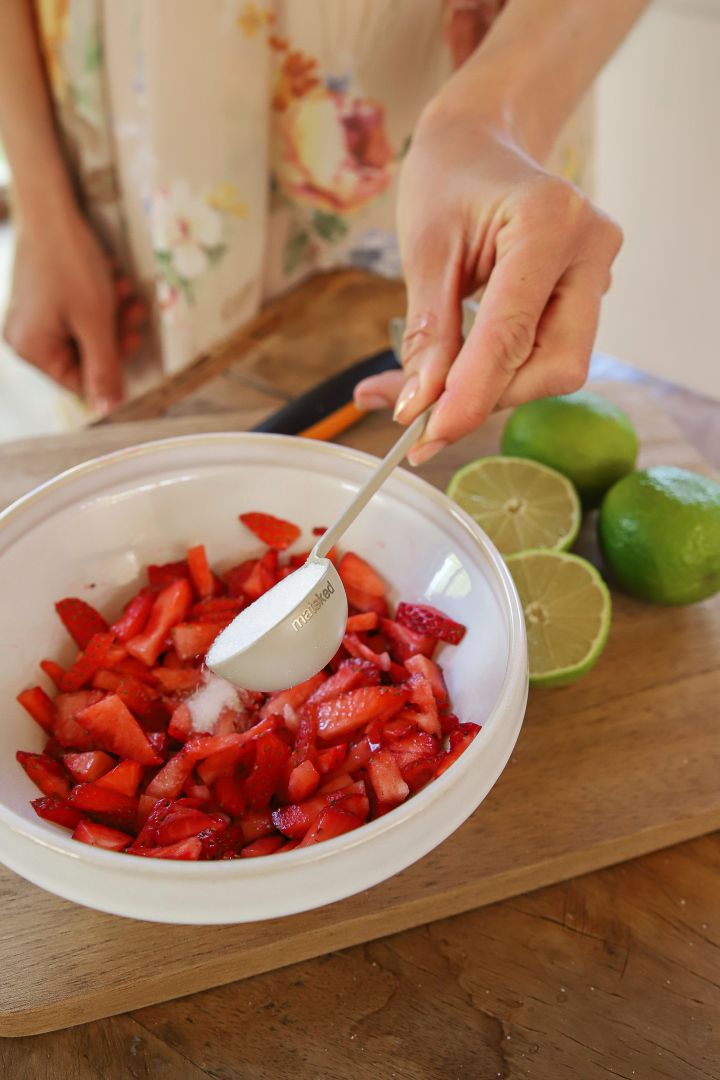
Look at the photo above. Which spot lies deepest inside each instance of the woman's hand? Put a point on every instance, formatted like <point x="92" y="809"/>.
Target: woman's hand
<point x="69" y="315"/>
<point x="475" y="210"/>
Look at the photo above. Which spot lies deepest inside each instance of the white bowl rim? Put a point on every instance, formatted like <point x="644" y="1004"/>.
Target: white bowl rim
<point x="515" y="668"/>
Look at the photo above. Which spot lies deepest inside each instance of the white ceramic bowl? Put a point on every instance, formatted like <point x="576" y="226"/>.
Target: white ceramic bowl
<point x="89" y="532"/>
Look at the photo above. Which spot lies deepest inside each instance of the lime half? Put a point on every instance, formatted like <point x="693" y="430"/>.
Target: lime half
<point x="519" y="503"/>
<point x="567" y="614"/>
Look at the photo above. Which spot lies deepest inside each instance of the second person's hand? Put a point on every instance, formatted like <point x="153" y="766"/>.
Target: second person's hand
<point x="475" y="210"/>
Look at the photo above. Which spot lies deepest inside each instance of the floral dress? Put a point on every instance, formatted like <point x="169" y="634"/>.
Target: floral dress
<point x="226" y="149"/>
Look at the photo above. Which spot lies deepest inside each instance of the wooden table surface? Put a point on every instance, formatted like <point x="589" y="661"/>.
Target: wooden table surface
<point x="612" y="974"/>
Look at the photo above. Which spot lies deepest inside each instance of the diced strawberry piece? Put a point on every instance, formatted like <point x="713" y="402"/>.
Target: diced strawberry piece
<point x="54" y="671"/>
<point x="95" y="656"/>
<point x="305" y="738"/>
<point x="225" y="763"/>
<point x="38" y="704"/>
<point x="91" y="832"/>
<point x="192" y="640"/>
<point x="81" y="620"/>
<point x="358" y="575"/>
<point x="125" y="778"/>
<point x="139" y="698"/>
<point x="465" y="738"/>
<point x="448" y="723"/>
<point x="114" y="727"/>
<point x="189" y="849"/>
<point x="401" y="725"/>
<point x="418" y="773"/>
<point x="159" y="742"/>
<point x="45" y="773"/>
<point x="331" y="758"/>
<point x="51" y="808"/>
<point x="359" y="601"/>
<point x="216" y="609"/>
<point x="197" y="791"/>
<point x="162" y="576"/>
<point x="350" y="711"/>
<point x="330" y="822"/>
<point x="422" y="697"/>
<point x="413" y="748"/>
<point x="423" y="665"/>
<point x="68" y="731"/>
<point x="170" y="607"/>
<point x="337" y="782"/>
<point x="349" y="675"/>
<point x="266" y="845"/>
<point x="359" y="649"/>
<point x="273" y="531"/>
<point x="424" y="619"/>
<point x="130" y="666"/>
<point x="53" y="749"/>
<point x="200" y="573"/>
<point x="262" y="576"/>
<point x="256" y="823"/>
<point x="294" y="820"/>
<point x="404" y="642"/>
<point x="236" y="577"/>
<point x="88" y="766"/>
<point x="178" y="680"/>
<point x="296" y="561"/>
<point x="114" y="807"/>
<point x="366" y="620"/>
<point x="169" y="781"/>
<point x="295" y="696"/>
<point x="271" y="756"/>
<point x="227" y="791"/>
<point x="181" y="823"/>
<point x="304" y="779"/>
<point x="135" y="616"/>
<point x="180" y="726"/>
<point x="387" y="782"/>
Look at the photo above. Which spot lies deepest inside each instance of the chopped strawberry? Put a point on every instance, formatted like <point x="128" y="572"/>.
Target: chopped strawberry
<point x="294" y="820"/>
<point x="350" y="711"/>
<point x="81" y="620"/>
<point x="424" y="619"/>
<point x="46" y="773"/>
<point x="200" y="573"/>
<point x="181" y="823"/>
<point x="87" y="663"/>
<point x="52" y="808"/>
<point x="88" y="766"/>
<point x="422" y="697"/>
<point x="331" y="822"/>
<point x="125" y="778"/>
<point x="265" y="845"/>
<point x="460" y="739"/>
<point x="418" y="773"/>
<point x="130" y="666"/>
<point x="423" y="665"/>
<point x="67" y="730"/>
<point x="54" y="671"/>
<point x="112" y="807"/>
<point x="38" y="704"/>
<point x="448" y="723"/>
<point x="305" y="738"/>
<point x="189" y="849"/>
<point x="328" y="760"/>
<point x="271" y="756"/>
<point x="91" y="832"/>
<point x="179" y="680"/>
<point x="401" y="725"/>
<point x="236" y="577"/>
<point x="114" y="727"/>
<point x="273" y="531"/>
<point x="304" y="779"/>
<point x="359" y="576"/>
<point x="413" y="748"/>
<point x="337" y="782"/>
<point x="404" y="642"/>
<point x="349" y="675"/>
<point x="138" y="697"/>
<point x="295" y="697"/>
<point x="192" y="640"/>
<point x="226" y="762"/>
<point x="170" y="607"/>
<point x="180" y="726"/>
<point x="256" y="823"/>
<point x="361" y="651"/>
<point x="160" y="577"/>
<point x="366" y="620"/>
<point x="216" y="609"/>
<point x="384" y="775"/>
<point x="135" y="616"/>
<point x="262" y="576"/>
<point x="227" y="792"/>
<point x="362" y="601"/>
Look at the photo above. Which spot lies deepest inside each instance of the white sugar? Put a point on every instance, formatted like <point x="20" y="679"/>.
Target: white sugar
<point x="209" y="700"/>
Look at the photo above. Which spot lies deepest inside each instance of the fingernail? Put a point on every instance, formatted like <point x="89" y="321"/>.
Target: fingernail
<point x="372" y="401"/>
<point x="407" y="393"/>
<point x="103" y="406"/>
<point x="422" y="453"/>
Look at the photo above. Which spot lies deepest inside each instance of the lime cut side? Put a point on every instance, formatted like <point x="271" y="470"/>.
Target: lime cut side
<point x="519" y="503"/>
<point x="567" y="611"/>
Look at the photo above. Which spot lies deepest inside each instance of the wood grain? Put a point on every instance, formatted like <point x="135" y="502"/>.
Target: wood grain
<point x="619" y="765"/>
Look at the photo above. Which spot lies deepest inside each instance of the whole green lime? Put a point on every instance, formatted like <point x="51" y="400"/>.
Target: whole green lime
<point x="583" y="436"/>
<point x="660" y="533"/>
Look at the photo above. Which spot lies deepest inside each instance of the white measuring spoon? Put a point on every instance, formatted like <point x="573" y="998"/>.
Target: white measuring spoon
<point x="294" y="629"/>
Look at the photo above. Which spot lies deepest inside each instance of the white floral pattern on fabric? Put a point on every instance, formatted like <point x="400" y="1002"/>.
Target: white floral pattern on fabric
<point x="187" y="235"/>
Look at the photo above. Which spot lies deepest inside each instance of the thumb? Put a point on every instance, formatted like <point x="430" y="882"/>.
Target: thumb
<point x="101" y="364"/>
<point x="433" y="329"/>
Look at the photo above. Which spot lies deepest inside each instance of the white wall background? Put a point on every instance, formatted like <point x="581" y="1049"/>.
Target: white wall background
<point x="658" y="172"/>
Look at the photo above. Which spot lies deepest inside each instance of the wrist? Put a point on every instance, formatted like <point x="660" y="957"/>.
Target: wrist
<point x="42" y="203"/>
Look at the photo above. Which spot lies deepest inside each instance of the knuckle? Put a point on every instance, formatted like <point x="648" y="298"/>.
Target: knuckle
<point x="569" y="378"/>
<point x="511" y="341"/>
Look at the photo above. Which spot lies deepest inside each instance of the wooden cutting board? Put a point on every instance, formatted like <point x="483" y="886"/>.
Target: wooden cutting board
<point x="622" y="763"/>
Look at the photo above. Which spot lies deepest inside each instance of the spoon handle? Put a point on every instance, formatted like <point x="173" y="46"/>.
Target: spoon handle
<point x="393" y="457"/>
